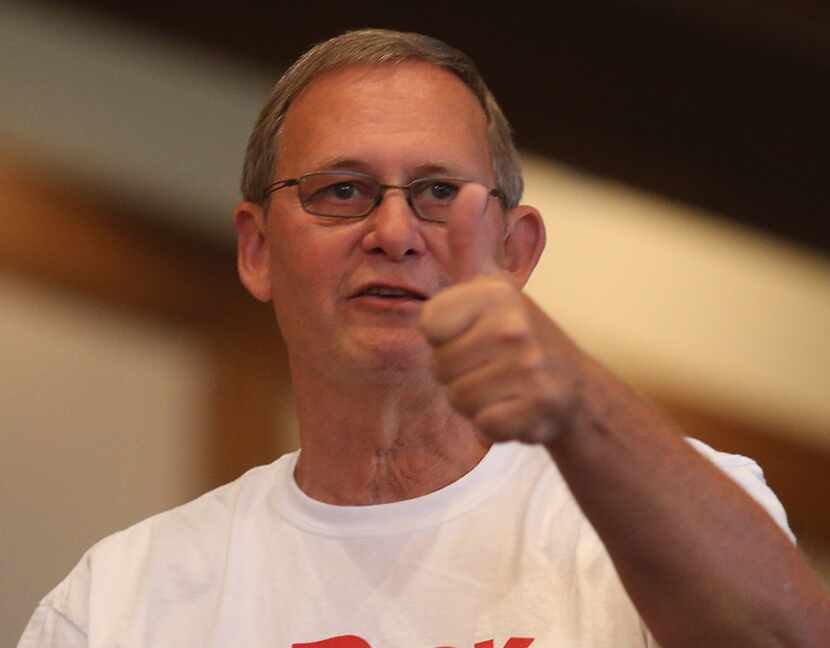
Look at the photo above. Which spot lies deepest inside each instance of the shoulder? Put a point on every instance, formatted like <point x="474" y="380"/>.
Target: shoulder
<point x="550" y="504"/>
<point x="179" y="552"/>
<point x="748" y="475"/>
<point x="199" y="525"/>
<point x="745" y="471"/>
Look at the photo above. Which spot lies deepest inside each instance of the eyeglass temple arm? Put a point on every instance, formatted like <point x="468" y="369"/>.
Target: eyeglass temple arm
<point x="498" y="193"/>
<point x="279" y="184"/>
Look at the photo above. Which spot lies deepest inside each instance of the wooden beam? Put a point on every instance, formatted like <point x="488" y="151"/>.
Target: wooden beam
<point x="69" y="238"/>
<point x="798" y="473"/>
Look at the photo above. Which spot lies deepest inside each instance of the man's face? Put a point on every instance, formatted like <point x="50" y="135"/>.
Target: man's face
<point x="396" y="123"/>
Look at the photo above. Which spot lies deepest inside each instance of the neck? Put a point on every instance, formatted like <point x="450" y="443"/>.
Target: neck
<point x="385" y="439"/>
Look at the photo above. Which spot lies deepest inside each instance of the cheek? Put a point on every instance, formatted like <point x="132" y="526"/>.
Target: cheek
<point x="298" y="276"/>
<point x="308" y="263"/>
<point x="435" y="237"/>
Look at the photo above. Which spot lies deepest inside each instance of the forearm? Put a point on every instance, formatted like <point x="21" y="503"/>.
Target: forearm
<point x="702" y="562"/>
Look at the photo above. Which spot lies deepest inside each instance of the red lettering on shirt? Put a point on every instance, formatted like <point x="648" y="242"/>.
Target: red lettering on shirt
<point x="353" y="641"/>
<point x="344" y="641"/>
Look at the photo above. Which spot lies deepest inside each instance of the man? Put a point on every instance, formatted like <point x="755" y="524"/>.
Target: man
<point x="382" y="220"/>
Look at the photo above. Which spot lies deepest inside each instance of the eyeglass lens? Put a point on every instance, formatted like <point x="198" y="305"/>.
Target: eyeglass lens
<point x="352" y="196"/>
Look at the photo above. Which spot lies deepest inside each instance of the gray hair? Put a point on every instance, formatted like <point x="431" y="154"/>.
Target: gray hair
<point x="375" y="47"/>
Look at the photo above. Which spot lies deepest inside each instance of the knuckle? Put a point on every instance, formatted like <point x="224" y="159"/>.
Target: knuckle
<point x="556" y="401"/>
<point x="495" y="424"/>
<point x="547" y="393"/>
<point x="514" y="329"/>
<point x="533" y="361"/>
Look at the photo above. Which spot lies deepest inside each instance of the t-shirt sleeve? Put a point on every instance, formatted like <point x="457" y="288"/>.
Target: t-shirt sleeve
<point x="749" y="476"/>
<point x="48" y="628"/>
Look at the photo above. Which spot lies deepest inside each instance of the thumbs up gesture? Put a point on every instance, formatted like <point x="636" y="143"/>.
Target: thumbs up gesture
<point x="506" y="365"/>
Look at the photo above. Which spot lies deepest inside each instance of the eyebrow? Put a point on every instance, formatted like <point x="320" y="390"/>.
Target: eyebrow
<point x="343" y="164"/>
<point x="435" y="168"/>
<point x="420" y="171"/>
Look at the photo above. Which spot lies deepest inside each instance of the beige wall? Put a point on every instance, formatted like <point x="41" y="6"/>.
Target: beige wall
<point x="685" y="305"/>
<point x="100" y="426"/>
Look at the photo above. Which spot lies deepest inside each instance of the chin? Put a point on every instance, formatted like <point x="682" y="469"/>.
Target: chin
<point x="392" y="350"/>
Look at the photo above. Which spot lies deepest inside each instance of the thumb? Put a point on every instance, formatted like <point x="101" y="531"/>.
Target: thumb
<point x="473" y="236"/>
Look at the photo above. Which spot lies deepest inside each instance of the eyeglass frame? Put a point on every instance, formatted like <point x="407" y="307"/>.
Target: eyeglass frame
<point x="382" y="188"/>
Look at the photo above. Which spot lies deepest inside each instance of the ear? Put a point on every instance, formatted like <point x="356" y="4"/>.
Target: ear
<point x="524" y="241"/>
<point x="253" y="252"/>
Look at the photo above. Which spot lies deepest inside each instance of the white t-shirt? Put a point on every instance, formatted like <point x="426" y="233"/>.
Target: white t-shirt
<point x="501" y="558"/>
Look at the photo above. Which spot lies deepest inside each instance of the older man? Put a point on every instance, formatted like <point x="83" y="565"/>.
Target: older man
<point x="382" y="219"/>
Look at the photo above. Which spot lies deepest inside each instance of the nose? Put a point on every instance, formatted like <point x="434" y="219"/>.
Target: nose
<point x="394" y="228"/>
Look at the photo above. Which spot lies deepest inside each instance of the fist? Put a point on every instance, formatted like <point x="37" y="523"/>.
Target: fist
<point x="506" y="365"/>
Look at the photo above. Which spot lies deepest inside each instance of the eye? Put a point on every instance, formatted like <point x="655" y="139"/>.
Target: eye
<point x="322" y="189"/>
<point x="345" y="190"/>
<point x="436" y="190"/>
<point x="443" y="190"/>
<point x="340" y="195"/>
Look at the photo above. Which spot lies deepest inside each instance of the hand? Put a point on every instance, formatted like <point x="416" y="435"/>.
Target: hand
<point x="506" y="365"/>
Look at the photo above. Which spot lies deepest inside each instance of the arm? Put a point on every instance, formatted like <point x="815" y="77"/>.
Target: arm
<point x="702" y="562"/>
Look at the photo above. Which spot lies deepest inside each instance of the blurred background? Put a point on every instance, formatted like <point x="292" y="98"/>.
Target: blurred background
<point x="677" y="151"/>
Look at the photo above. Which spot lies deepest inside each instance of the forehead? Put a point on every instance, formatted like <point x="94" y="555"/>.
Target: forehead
<point x="387" y="120"/>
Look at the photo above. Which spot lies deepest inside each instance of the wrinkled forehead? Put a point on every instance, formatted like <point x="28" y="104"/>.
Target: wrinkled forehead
<point x="390" y="118"/>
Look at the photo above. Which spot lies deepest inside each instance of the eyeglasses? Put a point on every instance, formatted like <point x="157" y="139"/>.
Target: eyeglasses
<point x="354" y="195"/>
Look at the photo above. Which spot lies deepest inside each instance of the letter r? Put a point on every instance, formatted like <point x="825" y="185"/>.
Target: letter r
<point x="343" y="641"/>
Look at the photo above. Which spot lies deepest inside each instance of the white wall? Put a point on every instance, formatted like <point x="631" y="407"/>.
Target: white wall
<point x="100" y="420"/>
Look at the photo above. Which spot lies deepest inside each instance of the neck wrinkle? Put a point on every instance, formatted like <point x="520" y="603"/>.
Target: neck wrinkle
<point x="381" y="442"/>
